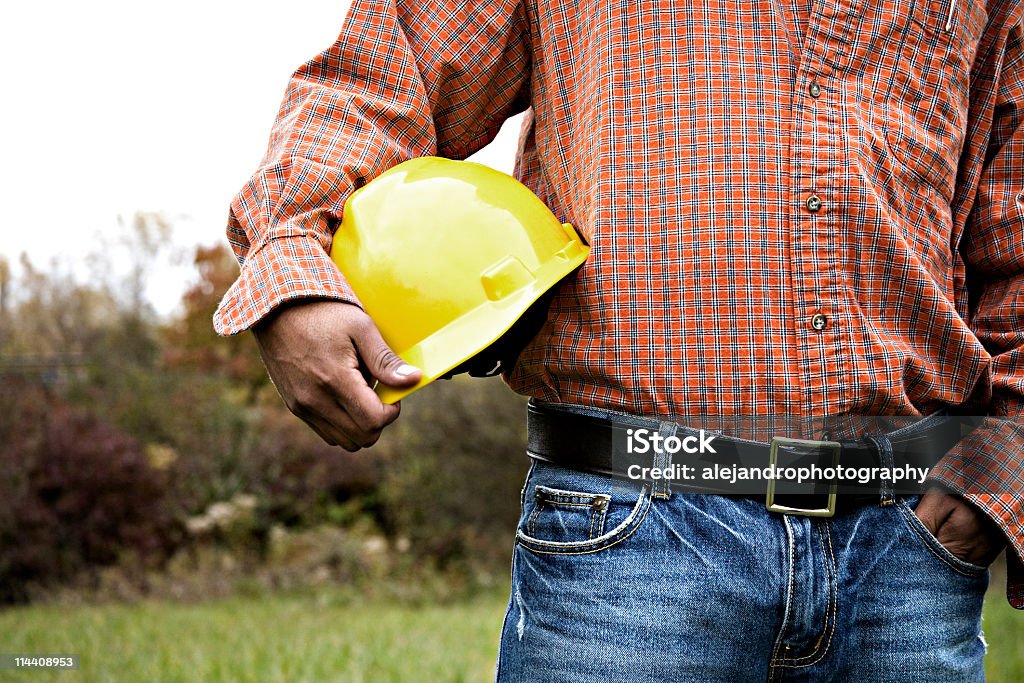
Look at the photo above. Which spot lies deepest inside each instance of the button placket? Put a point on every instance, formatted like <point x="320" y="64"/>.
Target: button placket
<point x="816" y="161"/>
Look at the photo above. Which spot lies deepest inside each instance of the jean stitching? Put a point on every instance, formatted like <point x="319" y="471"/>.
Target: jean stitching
<point x="625" y="524"/>
<point x="635" y="519"/>
<point x="597" y="522"/>
<point x="564" y="504"/>
<point x="556" y="497"/>
<point x="589" y="551"/>
<point x="830" y="614"/>
<point x="967" y="570"/>
<point x="555" y="503"/>
<point x="663" y="459"/>
<point x="884" y="446"/>
<point x="533" y="517"/>
<point x="508" y="613"/>
<point x="562" y="497"/>
<point x="790" y="590"/>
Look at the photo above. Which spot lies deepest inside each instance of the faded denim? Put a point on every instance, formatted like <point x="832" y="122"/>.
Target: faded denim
<point x="611" y="584"/>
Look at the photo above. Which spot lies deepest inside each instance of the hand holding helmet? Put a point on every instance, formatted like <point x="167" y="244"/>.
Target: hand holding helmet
<point x="448" y="259"/>
<point x="323" y="357"/>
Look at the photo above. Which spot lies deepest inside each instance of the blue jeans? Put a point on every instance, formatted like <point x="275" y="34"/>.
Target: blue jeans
<point x="614" y="585"/>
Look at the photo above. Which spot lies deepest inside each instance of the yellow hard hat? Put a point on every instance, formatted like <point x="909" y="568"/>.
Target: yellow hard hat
<point x="445" y="256"/>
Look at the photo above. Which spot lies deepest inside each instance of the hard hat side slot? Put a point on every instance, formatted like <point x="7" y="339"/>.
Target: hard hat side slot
<point x="507" y="276"/>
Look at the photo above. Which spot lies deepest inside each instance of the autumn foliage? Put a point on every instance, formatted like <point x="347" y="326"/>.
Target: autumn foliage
<point x="120" y="430"/>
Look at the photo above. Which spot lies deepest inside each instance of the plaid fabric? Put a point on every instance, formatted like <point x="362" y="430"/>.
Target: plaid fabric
<point x="802" y="208"/>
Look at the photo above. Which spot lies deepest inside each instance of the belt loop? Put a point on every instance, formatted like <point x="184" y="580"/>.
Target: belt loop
<point x="662" y="488"/>
<point x="884" y="446"/>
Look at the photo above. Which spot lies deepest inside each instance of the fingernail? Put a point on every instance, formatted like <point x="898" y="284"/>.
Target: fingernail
<point x="404" y="370"/>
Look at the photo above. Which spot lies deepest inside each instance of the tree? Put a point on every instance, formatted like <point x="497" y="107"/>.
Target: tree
<point x="190" y="341"/>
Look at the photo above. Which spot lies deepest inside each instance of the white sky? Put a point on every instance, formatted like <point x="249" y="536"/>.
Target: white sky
<point x="112" y="106"/>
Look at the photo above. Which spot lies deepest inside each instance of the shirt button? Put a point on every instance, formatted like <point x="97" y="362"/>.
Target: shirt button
<point x="819" y="321"/>
<point x="814" y="89"/>
<point x="813" y="203"/>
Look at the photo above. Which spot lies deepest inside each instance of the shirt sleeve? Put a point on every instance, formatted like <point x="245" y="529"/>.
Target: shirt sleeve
<point x="404" y="79"/>
<point x="987" y="467"/>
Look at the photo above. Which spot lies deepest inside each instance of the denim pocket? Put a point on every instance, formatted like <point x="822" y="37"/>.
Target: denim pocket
<point x="927" y="539"/>
<point x="573" y="513"/>
<point x="570" y="514"/>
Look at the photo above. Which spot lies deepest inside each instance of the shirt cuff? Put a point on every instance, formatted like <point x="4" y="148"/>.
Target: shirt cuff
<point x="282" y="269"/>
<point x="985" y="469"/>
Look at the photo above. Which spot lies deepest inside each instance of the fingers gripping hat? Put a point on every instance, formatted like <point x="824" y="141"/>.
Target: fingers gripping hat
<point x="446" y="256"/>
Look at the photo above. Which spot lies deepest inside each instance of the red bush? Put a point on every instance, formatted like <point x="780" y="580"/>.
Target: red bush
<point x="77" y="492"/>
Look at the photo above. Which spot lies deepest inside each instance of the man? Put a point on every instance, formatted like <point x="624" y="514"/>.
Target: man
<point x="795" y="209"/>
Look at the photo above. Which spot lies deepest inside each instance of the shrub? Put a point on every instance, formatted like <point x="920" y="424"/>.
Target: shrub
<point x="454" y="465"/>
<point x="77" y="492"/>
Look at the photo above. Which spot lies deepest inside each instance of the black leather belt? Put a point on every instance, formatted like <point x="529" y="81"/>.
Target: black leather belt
<point x="620" y="446"/>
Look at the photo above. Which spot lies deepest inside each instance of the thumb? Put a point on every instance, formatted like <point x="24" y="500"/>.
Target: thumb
<point x="383" y="363"/>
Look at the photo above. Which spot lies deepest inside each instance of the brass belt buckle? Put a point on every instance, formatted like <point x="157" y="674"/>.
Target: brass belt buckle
<point x="806" y="444"/>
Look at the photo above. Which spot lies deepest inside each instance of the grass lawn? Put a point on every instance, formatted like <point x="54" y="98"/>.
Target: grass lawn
<point x="320" y="637"/>
<point x="262" y="640"/>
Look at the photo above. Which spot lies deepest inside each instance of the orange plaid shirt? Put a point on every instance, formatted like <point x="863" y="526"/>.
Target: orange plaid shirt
<point x="800" y="208"/>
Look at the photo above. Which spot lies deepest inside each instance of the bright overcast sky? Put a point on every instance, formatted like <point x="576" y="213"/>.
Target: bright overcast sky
<point x="112" y="107"/>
